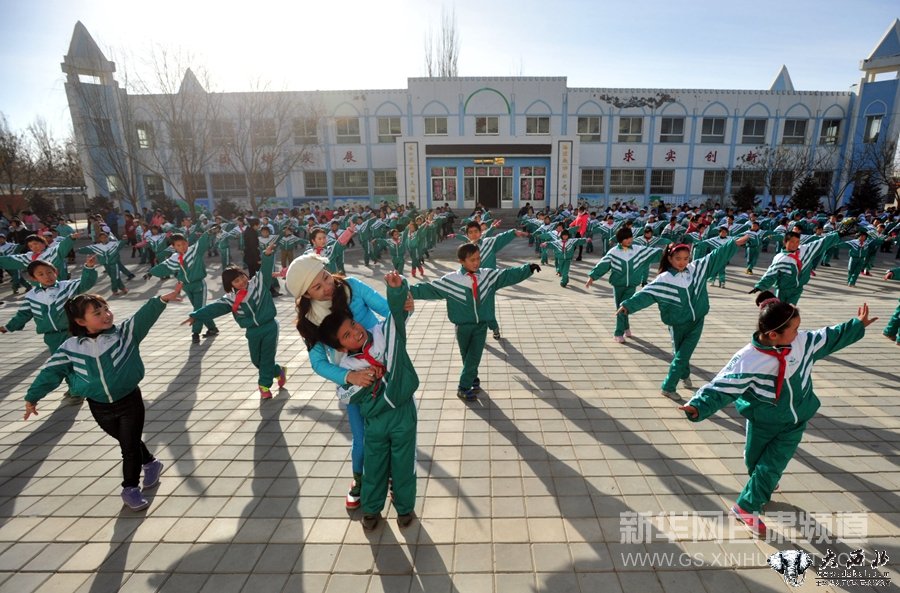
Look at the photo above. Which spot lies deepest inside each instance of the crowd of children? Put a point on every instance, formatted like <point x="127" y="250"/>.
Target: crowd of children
<point x="357" y="338"/>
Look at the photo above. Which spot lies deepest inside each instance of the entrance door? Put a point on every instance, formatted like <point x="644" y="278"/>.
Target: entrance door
<point x="489" y="192"/>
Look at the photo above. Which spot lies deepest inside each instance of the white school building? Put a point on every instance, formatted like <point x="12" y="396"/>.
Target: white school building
<point x="500" y="141"/>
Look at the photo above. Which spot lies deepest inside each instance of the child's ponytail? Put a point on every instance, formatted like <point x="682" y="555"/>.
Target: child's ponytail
<point x="774" y="314"/>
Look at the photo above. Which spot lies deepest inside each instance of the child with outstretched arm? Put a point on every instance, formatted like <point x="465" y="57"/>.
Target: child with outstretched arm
<point x="770" y="383"/>
<point x="470" y="293"/>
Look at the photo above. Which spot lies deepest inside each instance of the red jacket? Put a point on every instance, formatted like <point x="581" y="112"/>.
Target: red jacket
<point x="581" y="221"/>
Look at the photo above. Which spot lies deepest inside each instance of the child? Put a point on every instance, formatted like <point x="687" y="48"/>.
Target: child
<point x="627" y="262"/>
<point x="39" y="249"/>
<point x="107" y="254"/>
<point x="250" y="301"/>
<point x="769" y="381"/>
<point x="396" y="247"/>
<point x="754" y="246"/>
<point x="334" y="251"/>
<point x="648" y="240"/>
<point x="564" y="251"/>
<point x="9" y="248"/>
<point x="859" y="251"/>
<point x="103" y="363"/>
<point x="187" y="265"/>
<point x="892" y="329"/>
<point x="469" y="293"/>
<point x="790" y="269"/>
<point x="414" y="246"/>
<point x="680" y="291"/>
<point x="387" y="405"/>
<point x="714" y="243"/>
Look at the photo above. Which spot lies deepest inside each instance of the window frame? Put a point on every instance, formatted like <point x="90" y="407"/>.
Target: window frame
<point x="380" y="183"/>
<point x="708" y="184"/>
<point x="791" y="124"/>
<point x="145" y="134"/>
<point x="300" y="130"/>
<point x="826" y="139"/>
<point x="630" y="186"/>
<point x="672" y="136"/>
<point x="538" y="120"/>
<point x="589" y="136"/>
<point x="752" y="138"/>
<point x="485" y="122"/>
<point x="629" y="136"/>
<point x="386" y="129"/>
<point x="347" y="135"/>
<point x="342" y="187"/>
<point x="662" y="180"/>
<point x="712" y="137"/>
<point x="312" y="186"/>
<point x="593" y="172"/>
<point x="435" y="119"/>
<point x="871" y="120"/>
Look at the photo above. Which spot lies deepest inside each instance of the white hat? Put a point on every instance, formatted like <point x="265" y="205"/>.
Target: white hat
<point x="302" y="272"/>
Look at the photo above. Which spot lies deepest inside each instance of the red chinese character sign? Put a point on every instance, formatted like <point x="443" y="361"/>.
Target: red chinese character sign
<point x="751" y="157"/>
<point x="670" y="156"/>
<point x="629" y="156"/>
<point x="348" y="158"/>
<point x="711" y="156"/>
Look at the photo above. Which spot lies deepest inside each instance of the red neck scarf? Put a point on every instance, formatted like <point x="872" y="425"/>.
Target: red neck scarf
<point x="238" y="299"/>
<point x="474" y="285"/>
<point x="181" y="259"/>
<point x="782" y="366"/>
<point x="795" y="255"/>
<point x="319" y="250"/>
<point x="375" y="364"/>
<point x="34" y="256"/>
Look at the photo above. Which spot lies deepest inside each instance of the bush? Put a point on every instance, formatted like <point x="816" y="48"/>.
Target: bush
<point x="43" y="207"/>
<point x="100" y="205"/>
<point x="163" y="202"/>
<point x="227" y="209"/>
<point x="807" y="195"/>
<point x="745" y="198"/>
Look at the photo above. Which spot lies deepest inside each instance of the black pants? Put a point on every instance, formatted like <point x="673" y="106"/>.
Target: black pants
<point x="123" y="420"/>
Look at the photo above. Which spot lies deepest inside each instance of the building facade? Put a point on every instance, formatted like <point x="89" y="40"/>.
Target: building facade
<point x="500" y="141"/>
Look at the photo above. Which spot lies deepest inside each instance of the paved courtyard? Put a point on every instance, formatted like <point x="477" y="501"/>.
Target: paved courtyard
<point x="536" y="487"/>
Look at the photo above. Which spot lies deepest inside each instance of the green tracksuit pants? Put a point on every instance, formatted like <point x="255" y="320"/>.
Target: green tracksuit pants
<point x="620" y="293"/>
<point x="752" y="256"/>
<point x="398" y="264"/>
<point x="196" y="294"/>
<point x="892" y="329"/>
<point x="768" y="450"/>
<point x="263" y="344"/>
<point x="115" y="281"/>
<point x="685" y="338"/>
<point x="225" y="254"/>
<point x="854" y="269"/>
<point x="471" y="338"/>
<point x="562" y="266"/>
<point x="366" y="249"/>
<point x="390" y="451"/>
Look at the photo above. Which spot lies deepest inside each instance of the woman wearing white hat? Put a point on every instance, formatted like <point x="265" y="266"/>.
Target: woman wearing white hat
<point x="317" y="293"/>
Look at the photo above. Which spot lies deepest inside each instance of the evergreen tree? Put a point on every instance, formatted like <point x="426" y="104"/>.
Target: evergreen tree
<point x="745" y="198"/>
<point x="866" y="195"/>
<point x="806" y="195"/>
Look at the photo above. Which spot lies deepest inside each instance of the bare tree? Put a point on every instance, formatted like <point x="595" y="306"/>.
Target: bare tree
<point x="442" y="53"/>
<point x="271" y="134"/>
<point x="876" y="160"/>
<point x="777" y="169"/>
<point x="16" y="162"/>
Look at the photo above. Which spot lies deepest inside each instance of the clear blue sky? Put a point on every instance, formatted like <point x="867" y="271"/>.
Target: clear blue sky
<point x="333" y="44"/>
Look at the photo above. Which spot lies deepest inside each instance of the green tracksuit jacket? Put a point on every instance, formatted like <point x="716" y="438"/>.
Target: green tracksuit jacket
<point x="783" y="273"/>
<point x="105" y="368"/>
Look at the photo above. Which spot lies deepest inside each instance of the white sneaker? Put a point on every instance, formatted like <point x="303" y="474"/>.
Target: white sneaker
<point x="687" y="382"/>
<point x="619" y="339"/>
<point x="628" y="333"/>
<point x="671" y="395"/>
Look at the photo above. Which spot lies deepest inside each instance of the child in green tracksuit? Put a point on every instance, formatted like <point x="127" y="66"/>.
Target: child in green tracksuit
<point x="188" y="267"/>
<point x="564" y="252"/>
<point x="250" y="301"/>
<point x="680" y="291"/>
<point x="387" y="406"/>
<point x="754" y="246"/>
<point x="790" y="269"/>
<point x="107" y="254"/>
<point x="627" y="262"/>
<point x="892" y="329"/>
<point x="859" y="252"/>
<point x="334" y="251"/>
<point x="470" y="293"/>
<point x="38" y="248"/>
<point x="395" y="246"/>
<point x="769" y="381"/>
<point x="102" y="363"/>
<point x="715" y="243"/>
<point x="648" y="240"/>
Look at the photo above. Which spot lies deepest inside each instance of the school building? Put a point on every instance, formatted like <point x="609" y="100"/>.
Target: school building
<point x="500" y="141"/>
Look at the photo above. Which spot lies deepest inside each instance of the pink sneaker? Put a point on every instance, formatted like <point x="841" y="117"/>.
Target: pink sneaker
<point x="752" y="520"/>
<point x="628" y="333"/>
<point x="265" y="392"/>
<point x="619" y="339"/>
<point x="282" y="377"/>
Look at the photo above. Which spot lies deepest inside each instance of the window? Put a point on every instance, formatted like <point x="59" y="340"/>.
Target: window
<point x="443" y="184"/>
<point x="264" y="185"/>
<point x="755" y="179"/>
<point x="782" y="183"/>
<point x="221" y="132"/>
<point x="103" y="131"/>
<point x="228" y="185"/>
<point x="592" y="181"/>
<point x="537" y="125"/>
<point x="794" y="131"/>
<point x="873" y="127"/>
<point x="351" y="183"/>
<point x="626" y="181"/>
<point x="822" y="179"/>
<point x="144" y="134"/>
<point x="631" y="129"/>
<point x="388" y="129"/>
<point x="662" y="181"/>
<point x="113" y="185"/>
<point x="347" y="129"/>
<point x="671" y="129"/>
<point x="754" y="131"/>
<point x="315" y="183"/>
<point x="589" y="128"/>
<point x="194" y="186"/>
<point x="153" y="186"/>
<point x="487" y="126"/>
<point x="532" y="184"/>
<point x="386" y="182"/>
<point x="712" y="130"/>
<point x="714" y="182"/>
<point x="831" y="131"/>
<point x="263" y="132"/>
<point x="435" y="126"/>
<point x="182" y="134"/>
<point x="304" y="129"/>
